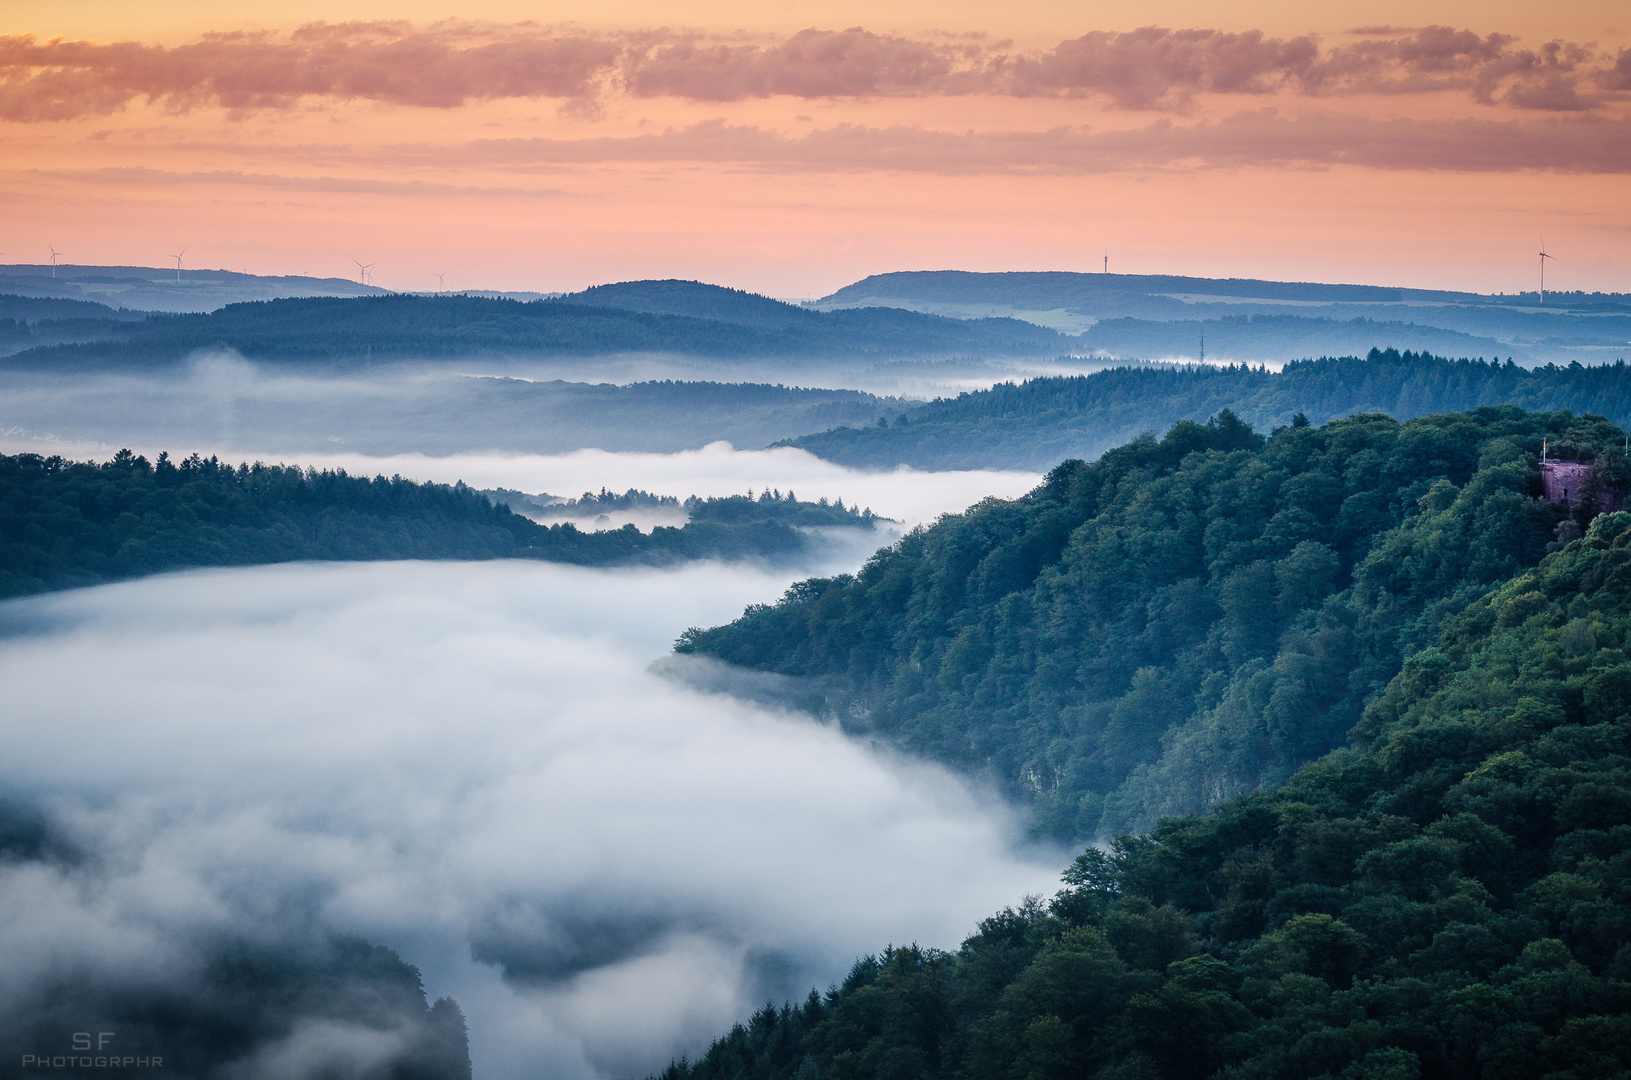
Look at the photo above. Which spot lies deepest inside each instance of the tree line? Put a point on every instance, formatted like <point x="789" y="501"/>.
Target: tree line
<point x="65" y="523"/>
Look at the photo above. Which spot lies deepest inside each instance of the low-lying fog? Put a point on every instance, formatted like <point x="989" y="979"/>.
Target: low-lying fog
<point x="476" y="764"/>
<point x="472" y="763"/>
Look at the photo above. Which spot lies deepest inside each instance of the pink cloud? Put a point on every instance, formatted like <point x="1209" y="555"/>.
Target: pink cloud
<point x="62" y="79"/>
<point x="450" y="64"/>
<point x="810" y="64"/>
<point x="1156" y="68"/>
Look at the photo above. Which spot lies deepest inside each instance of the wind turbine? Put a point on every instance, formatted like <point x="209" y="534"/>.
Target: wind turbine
<point x="1543" y="258"/>
<point x="362" y="271"/>
<point x="55" y="254"/>
<point x="441" y="283"/>
<point x="177" y="258"/>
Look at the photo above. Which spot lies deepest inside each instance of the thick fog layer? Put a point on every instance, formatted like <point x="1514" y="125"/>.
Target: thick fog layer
<point x="474" y="764"/>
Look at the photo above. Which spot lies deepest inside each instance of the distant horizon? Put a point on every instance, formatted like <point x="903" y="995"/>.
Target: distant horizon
<point x="162" y="270"/>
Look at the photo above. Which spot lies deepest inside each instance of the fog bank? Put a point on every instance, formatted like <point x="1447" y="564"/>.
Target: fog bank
<point x="219" y="399"/>
<point x="472" y="763"/>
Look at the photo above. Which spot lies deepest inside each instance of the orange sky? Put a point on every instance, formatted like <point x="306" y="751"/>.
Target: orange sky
<point x="791" y="147"/>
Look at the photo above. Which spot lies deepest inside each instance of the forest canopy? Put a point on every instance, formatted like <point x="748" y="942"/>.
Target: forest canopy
<point x="1183" y="620"/>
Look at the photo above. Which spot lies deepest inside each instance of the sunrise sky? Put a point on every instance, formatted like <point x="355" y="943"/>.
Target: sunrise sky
<point x="791" y="147"/>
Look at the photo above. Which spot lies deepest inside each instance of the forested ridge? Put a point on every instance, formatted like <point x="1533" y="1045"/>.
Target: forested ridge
<point x="353" y="331"/>
<point x="1075" y="290"/>
<point x="1033" y="425"/>
<point x="65" y="523"/>
<point x="1447" y="899"/>
<point x="1183" y="620"/>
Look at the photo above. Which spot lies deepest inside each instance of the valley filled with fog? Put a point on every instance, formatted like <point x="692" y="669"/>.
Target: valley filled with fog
<point x="473" y="764"/>
<point x="770" y="542"/>
<point x="244" y="799"/>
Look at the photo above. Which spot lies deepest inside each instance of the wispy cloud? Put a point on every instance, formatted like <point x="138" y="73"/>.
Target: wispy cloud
<point x="1586" y="144"/>
<point x="133" y="176"/>
<point x="1560" y="144"/>
<point x="453" y="63"/>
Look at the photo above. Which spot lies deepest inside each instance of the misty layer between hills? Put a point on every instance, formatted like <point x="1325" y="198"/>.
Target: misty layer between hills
<point x="223" y="401"/>
<point x="887" y="318"/>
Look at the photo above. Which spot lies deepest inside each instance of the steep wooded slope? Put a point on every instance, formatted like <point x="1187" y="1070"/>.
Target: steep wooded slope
<point x="1450" y="899"/>
<point x="1180" y="621"/>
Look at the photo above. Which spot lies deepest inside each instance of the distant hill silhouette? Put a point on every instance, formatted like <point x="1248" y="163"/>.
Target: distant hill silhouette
<point x="675" y="297"/>
<point x="1048" y="289"/>
<point x="1161" y="316"/>
<point x="150" y="288"/>
<point x="341" y="332"/>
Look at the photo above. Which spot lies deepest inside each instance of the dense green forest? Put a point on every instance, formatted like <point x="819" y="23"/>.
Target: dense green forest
<point x="356" y="331"/>
<point x="1183" y="620"/>
<point x="1038" y="423"/>
<point x="65" y="523"/>
<point x="1448" y="899"/>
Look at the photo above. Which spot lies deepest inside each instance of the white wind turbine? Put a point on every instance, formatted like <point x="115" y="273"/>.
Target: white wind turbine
<point x="362" y="271"/>
<point x="441" y="281"/>
<point x="177" y="257"/>
<point x="1543" y="258"/>
<point x="55" y="255"/>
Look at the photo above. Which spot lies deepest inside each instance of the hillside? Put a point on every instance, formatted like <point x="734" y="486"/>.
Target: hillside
<point x="358" y="331"/>
<point x="1035" y="424"/>
<point x="65" y="524"/>
<point x="1181" y="621"/>
<point x="1447" y="899"/>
